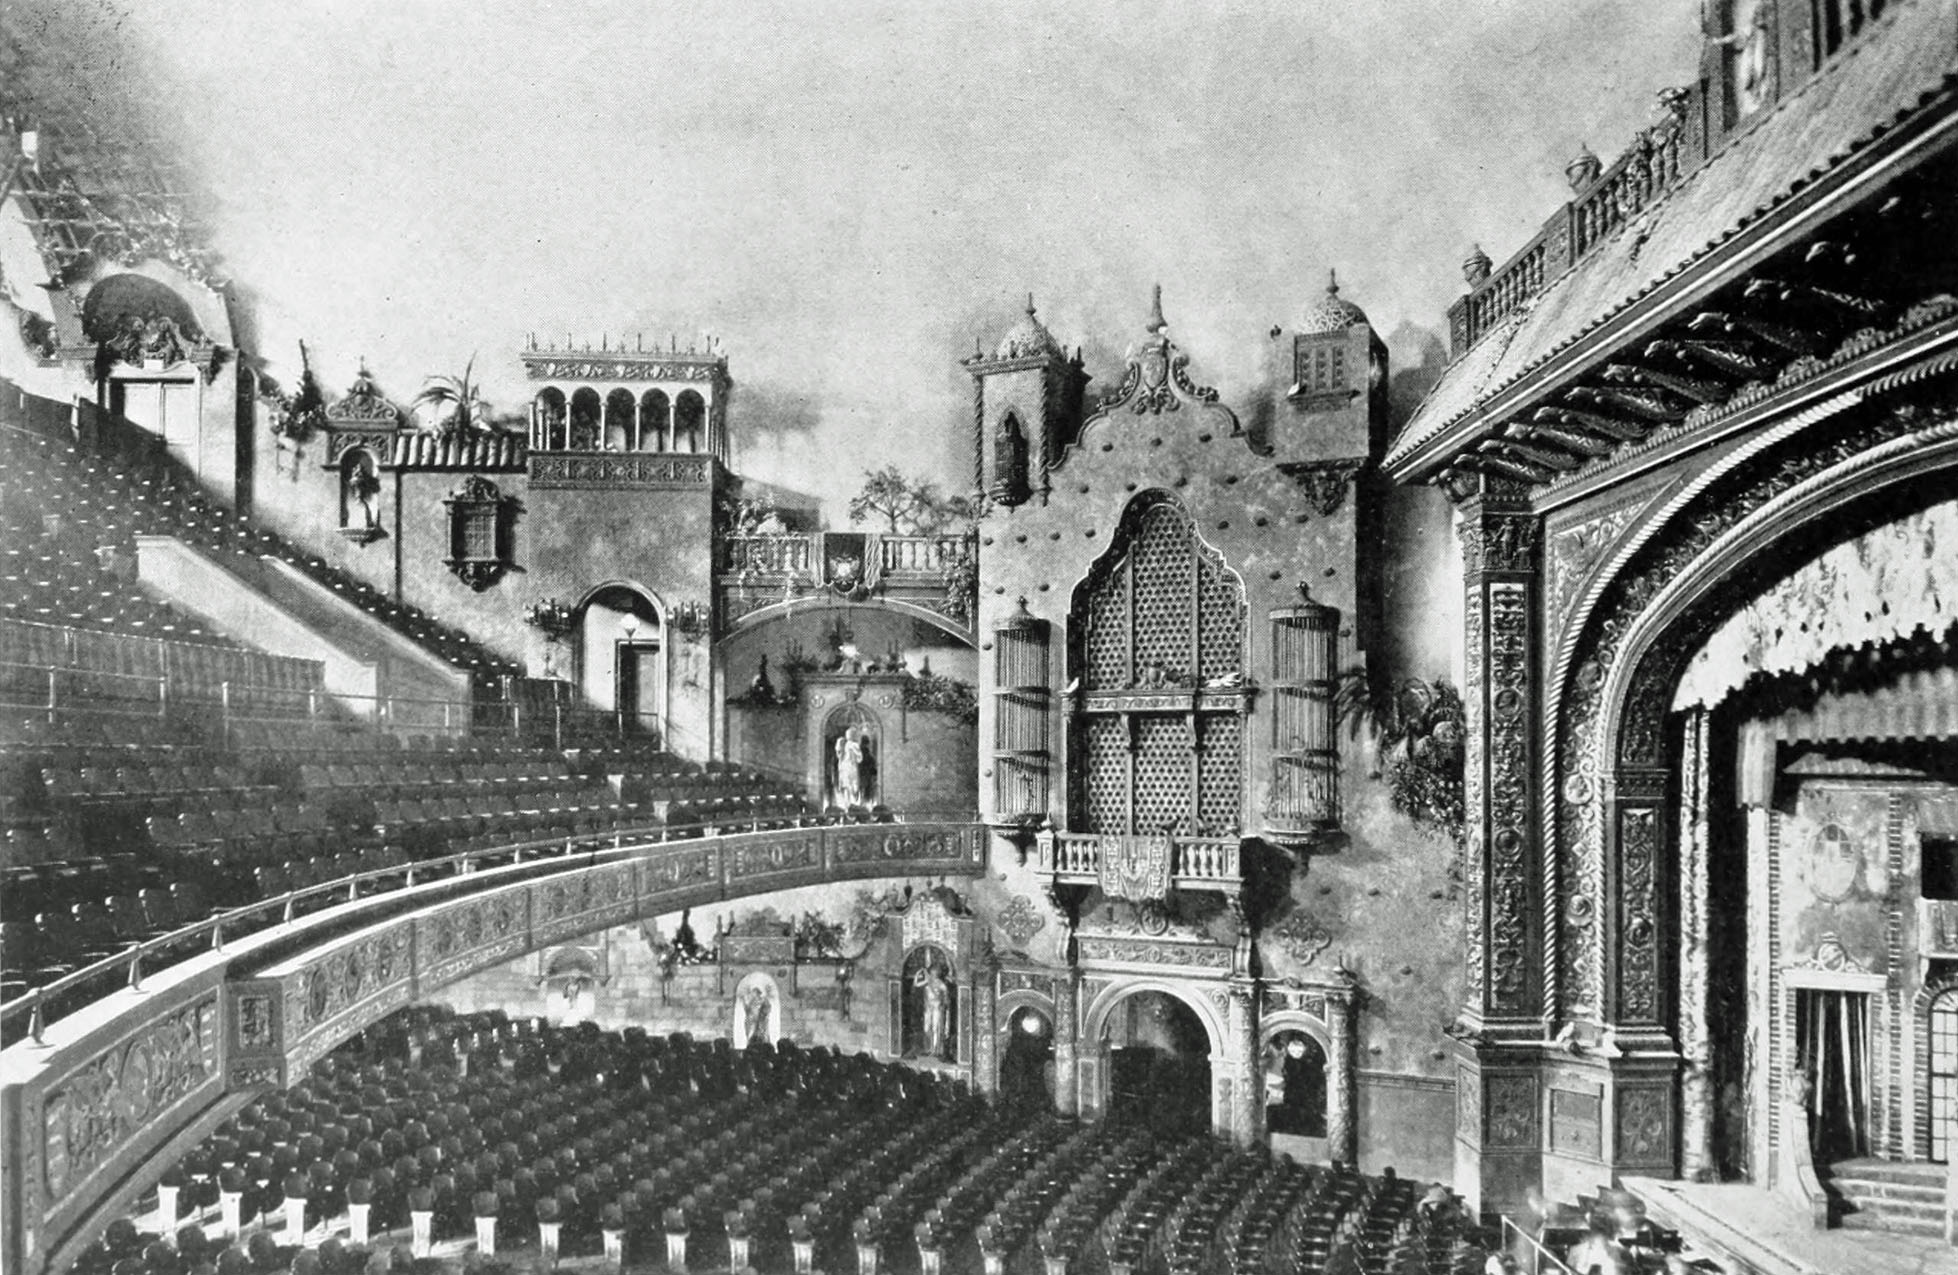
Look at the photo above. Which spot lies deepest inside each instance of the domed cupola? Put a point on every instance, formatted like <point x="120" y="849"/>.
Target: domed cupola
<point x="1029" y="338"/>
<point x="1329" y="312"/>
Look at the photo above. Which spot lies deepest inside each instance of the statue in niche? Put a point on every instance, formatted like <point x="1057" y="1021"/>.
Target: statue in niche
<point x="851" y="757"/>
<point x="757" y="1001"/>
<point x="933" y="1004"/>
<point x="849" y="768"/>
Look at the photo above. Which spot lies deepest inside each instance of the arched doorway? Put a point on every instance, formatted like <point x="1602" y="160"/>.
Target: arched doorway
<point x="1026" y="1057"/>
<point x="622" y="659"/>
<point x="1158" y="1063"/>
<point x="1295" y="1084"/>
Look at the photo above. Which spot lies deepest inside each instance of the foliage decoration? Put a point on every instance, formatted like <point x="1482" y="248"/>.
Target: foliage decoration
<point x="1420" y="728"/>
<point x="931" y="693"/>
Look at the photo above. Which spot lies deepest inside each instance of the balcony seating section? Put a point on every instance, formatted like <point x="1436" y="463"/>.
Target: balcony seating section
<point x="106" y="844"/>
<point x="799" y="1156"/>
<point x="106" y="497"/>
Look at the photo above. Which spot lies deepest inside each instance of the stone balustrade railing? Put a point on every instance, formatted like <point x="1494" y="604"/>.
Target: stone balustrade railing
<point x="1192" y="860"/>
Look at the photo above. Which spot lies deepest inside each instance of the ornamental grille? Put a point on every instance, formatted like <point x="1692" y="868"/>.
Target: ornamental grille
<point x="1220" y="622"/>
<point x="1161" y="615"/>
<point x="1106" y="762"/>
<point x="1107" y="641"/>
<point x="1220" y="762"/>
<point x="1162" y="775"/>
<point x="1162" y="565"/>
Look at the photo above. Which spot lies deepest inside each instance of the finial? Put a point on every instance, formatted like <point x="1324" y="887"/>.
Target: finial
<point x="1476" y="267"/>
<point x="1029" y="305"/>
<point x="1332" y="283"/>
<point x="1156" y="321"/>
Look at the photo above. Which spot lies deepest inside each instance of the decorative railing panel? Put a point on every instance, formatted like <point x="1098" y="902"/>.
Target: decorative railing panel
<point x="619" y="469"/>
<point x="1193" y="861"/>
<point x="92" y="1110"/>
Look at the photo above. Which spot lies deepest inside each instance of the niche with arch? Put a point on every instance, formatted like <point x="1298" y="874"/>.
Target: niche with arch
<point x="852" y="757"/>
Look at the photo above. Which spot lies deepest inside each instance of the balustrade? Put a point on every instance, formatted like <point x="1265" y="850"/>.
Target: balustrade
<point x="1192" y="859"/>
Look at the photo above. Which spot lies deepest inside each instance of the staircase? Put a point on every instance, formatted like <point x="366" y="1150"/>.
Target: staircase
<point x="1885" y="1195"/>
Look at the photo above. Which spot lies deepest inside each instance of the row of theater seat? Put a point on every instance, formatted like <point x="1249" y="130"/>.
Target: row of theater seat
<point x="483" y="1126"/>
<point x="109" y="499"/>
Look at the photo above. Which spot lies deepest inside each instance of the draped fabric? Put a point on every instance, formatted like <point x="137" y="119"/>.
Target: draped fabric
<point x="1884" y="585"/>
<point x="1834" y="1038"/>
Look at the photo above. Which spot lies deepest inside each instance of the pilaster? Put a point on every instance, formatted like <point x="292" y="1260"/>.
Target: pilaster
<point x="1502" y="859"/>
<point x="1499" y="1099"/>
<point x="1067" y="1053"/>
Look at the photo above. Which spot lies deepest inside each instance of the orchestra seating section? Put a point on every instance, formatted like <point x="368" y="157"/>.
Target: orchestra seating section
<point x="470" y="1138"/>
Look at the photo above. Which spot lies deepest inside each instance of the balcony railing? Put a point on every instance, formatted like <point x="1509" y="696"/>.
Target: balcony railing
<point x="800" y="551"/>
<point x="1637" y="180"/>
<point x="1193" y="861"/>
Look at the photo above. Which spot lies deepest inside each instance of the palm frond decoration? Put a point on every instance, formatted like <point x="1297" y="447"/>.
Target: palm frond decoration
<point x="460" y="411"/>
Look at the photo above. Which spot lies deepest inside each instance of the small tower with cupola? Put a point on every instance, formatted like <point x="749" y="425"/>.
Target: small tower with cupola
<point x="1026" y="407"/>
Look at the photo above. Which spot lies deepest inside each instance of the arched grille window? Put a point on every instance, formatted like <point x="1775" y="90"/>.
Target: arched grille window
<point x="1157" y="647"/>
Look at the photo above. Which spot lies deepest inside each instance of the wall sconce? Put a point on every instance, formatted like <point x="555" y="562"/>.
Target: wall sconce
<point x="689" y="620"/>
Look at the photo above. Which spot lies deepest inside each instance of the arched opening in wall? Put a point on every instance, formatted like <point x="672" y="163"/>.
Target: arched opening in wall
<point x="1010" y="483"/>
<point x="853" y="753"/>
<point x="930" y="1021"/>
<point x="622" y="661"/>
<point x="145" y="337"/>
<point x="1026" y="1058"/>
<point x="587" y="413"/>
<point x="620" y="408"/>
<point x="1295" y="1085"/>
<point x="1158" y="1063"/>
<point x="570" y="984"/>
<point x="549" y="410"/>
<point x="689" y="422"/>
<point x="360" y="493"/>
<point x="655" y="421"/>
<point x="1756" y="734"/>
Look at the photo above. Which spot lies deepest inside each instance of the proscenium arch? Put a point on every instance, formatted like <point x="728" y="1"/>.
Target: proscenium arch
<point x="1625" y="734"/>
<point x="680" y="874"/>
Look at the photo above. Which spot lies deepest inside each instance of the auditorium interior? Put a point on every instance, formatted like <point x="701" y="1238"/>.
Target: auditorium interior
<point x="1497" y="813"/>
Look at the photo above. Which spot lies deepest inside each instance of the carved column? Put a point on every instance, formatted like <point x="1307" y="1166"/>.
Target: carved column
<point x="1696" y="1082"/>
<point x="1067" y="1053"/>
<point x="1498" y="1149"/>
<point x="1643" y="1124"/>
<point x="1342" y="1079"/>
<point x="1240" y="1062"/>
<point x="985" y="1025"/>
<point x="1503" y="861"/>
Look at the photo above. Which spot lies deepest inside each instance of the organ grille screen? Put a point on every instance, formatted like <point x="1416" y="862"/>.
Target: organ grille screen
<point x="1158" y="644"/>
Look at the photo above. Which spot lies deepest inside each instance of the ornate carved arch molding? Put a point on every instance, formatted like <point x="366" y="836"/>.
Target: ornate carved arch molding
<point x="1609" y="776"/>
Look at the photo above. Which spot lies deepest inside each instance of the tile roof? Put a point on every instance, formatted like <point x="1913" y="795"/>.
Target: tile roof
<point x="418" y="449"/>
<point x="1883" y="78"/>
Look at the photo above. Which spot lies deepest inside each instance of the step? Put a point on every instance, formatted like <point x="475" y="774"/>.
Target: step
<point x="1865" y="1189"/>
<point x="1918" y="1172"/>
<point x="1888" y="1220"/>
